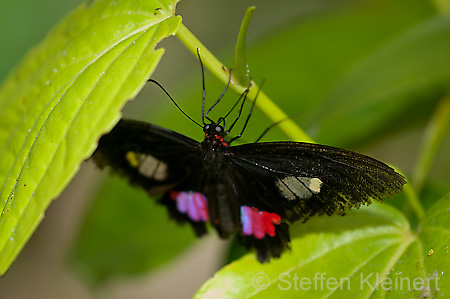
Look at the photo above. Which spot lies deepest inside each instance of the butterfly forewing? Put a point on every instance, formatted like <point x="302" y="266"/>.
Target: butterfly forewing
<point x="151" y="157"/>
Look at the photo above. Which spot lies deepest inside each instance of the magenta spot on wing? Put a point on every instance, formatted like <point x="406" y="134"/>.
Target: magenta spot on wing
<point x="182" y="202"/>
<point x="192" y="209"/>
<point x="202" y="206"/>
<point x="194" y="204"/>
<point x="246" y="220"/>
<point x="258" y="223"/>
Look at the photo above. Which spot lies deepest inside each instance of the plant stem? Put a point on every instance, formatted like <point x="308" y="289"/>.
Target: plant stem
<point x="435" y="133"/>
<point x="413" y="201"/>
<point x="270" y="109"/>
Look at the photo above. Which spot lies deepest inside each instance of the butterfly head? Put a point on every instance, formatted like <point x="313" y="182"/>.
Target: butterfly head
<point x="215" y="134"/>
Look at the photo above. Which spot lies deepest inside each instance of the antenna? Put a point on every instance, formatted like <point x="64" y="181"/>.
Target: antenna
<point x="204" y="90"/>
<point x="218" y="100"/>
<point x="173" y="101"/>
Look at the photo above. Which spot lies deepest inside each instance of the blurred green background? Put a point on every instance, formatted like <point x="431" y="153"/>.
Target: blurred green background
<point x="365" y="75"/>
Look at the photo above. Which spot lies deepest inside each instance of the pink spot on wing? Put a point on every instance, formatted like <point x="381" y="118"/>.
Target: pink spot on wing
<point x="194" y="204"/>
<point x="258" y="223"/>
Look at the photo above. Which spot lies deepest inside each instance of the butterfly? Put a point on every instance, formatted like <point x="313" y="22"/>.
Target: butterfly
<point x="253" y="190"/>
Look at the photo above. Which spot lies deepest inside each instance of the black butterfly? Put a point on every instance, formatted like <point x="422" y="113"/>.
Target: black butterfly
<point x="253" y="190"/>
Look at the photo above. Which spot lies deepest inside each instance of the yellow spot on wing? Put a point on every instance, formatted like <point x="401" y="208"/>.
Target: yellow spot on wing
<point x="133" y="158"/>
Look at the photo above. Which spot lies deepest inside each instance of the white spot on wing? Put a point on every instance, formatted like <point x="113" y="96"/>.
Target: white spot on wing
<point x="148" y="166"/>
<point x="298" y="187"/>
<point x="153" y="168"/>
<point x="314" y="185"/>
<point x="282" y="187"/>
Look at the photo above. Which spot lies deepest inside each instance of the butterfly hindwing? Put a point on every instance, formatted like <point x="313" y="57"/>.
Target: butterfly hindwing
<point x="254" y="203"/>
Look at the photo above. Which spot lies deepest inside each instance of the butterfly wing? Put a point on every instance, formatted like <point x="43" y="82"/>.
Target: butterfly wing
<point x="152" y="157"/>
<point x="313" y="178"/>
<point x="297" y="180"/>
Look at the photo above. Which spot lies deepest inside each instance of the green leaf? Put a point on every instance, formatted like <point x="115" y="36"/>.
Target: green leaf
<point x="240" y="54"/>
<point x="371" y="252"/>
<point x="126" y="233"/>
<point x="434" y="234"/>
<point x="64" y="95"/>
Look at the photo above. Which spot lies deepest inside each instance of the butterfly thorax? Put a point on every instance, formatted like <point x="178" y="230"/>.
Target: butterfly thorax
<point x="214" y="136"/>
